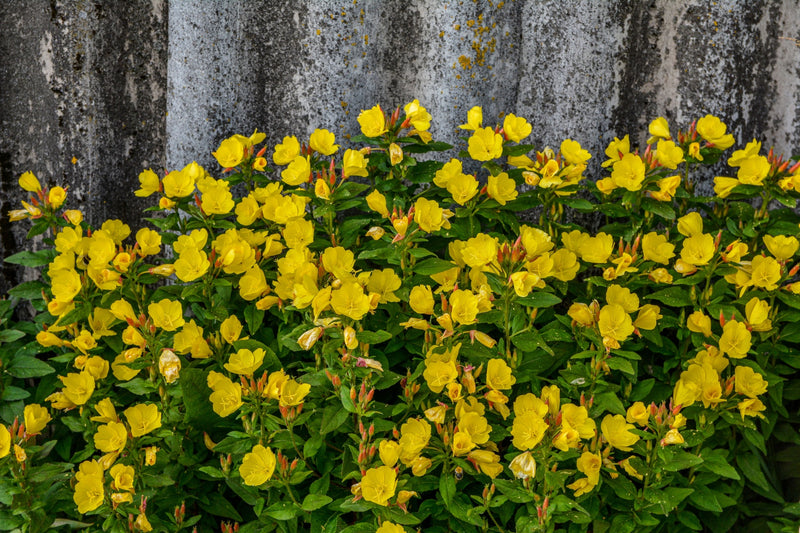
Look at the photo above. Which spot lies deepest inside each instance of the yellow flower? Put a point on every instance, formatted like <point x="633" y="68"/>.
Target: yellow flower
<point x="666" y="188"/>
<point x="106" y="411"/>
<point x="488" y="462"/>
<point x="751" y="407"/>
<point x="596" y="249"/>
<point x="781" y="246"/>
<point x="143" y="418"/>
<point x="712" y="130"/>
<point x="354" y="164"/>
<point x="437" y="414"/>
<point x="648" y="317"/>
<point x="166" y="314"/>
<point x="230" y="152"/>
<point x="464" y="306"/>
<point x="231" y="329"/>
<point x="389" y="452"/>
<point x="589" y="464"/>
<point x="5" y="441"/>
<point x="616" y="432"/>
<point x="461" y="444"/>
<point x="430" y="216"/>
<point x="658" y="129"/>
<point x="462" y="187"/>
<point x="698" y="249"/>
<point x="657" y="248"/>
<point x="474" y="119"/>
<point x="293" y="393"/>
<point x="169" y="365"/>
<point x="615" y="323"/>
<point x="379" y="484"/>
<point x="723" y="186"/>
<point x="217" y="199"/>
<point x="749" y="382"/>
<point x="120" y="368"/>
<point x="122" y="476"/>
<point x="448" y="171"/>
<point x="639" y="413"/>
<point x="298" y="171"/>
<point x="384" y="282"/>
<point x="615" y="294"/>
<point x="29" y="182"/>
<point x="479" y="251"/>
<point x="629" y="172"/>
<point x="476" y="426"/>
<point x="502" y="188"/>
<point x="765" y="272"/>
<point x="417" y="116"/>
<point x="178" y="184"/>
<point x="735" y="341"/>
<point x="350" y="301"/>
<point x="372" y="122"/>
<point x="753" y="170"/>
<point x="690" y="224"/>
<point x="111" y="437"/>
<point x="439" y="374"/>
<point x="226" y="397"/>
<point x="287" y="151"/>
<point x="56" y="197"/>
<point x="523" y="466"/>
<point x="389" y="527"/>
<point x="485" y="144"/>
<point x="322" y="141"/>
<point x="669" y="155"/>
<point x="78" y="388"/>
<point x="515" y="128"/>
<point x="36" y="418"/>
<point x="414" y="436"/>
<point x="257" y="466"/>
<point x="528" y="430"/>
<point x="338" y="261"/>
<point x="757" y="313"/>
<point x="89" y="493"/>
<point x="573" y="153"/>
<point x="142" y="523"/>
<point x="499" y="376"/>
<point x="698" y="322"/>
<point x="149" y="242"/>
<point x="245" y="362"/>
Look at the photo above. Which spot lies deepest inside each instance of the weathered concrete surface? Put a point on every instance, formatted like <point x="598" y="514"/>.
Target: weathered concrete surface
<point x="95" y="82"/>
<point x="82" y="80"/>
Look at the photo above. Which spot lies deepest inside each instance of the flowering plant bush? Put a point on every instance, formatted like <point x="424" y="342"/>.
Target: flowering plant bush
<point x="372" y="340"/>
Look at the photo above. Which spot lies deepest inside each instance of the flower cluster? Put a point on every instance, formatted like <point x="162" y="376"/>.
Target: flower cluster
<point x="361" y="340"/>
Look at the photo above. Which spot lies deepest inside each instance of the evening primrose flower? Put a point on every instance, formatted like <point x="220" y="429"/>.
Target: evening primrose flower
<point x="462" y="187"/>
<point x="430" y="216"/>
<point x="753" y="170"/>
<point x="735" y="341"/>
<point x="698" y="249"/>
<point x="515" y="128"/>
<point x="111" y="437"/>
<point x="287" y="151"/>
<point x="616" y="432"/>
<point x="226" y="397"/>
<point x="89" y="493"/>
<point x="169" y="365"/>
<point x="298" y="171"/>
<point x="699" y="322"/>
<point x="765" y="273"/>
<point x="323" y="141"/>
<point x="629" y="172"/>
<point x="417" y="116"/>
<point x="439" y="374"/>
<point x="143" y="418"/>
<point x="658" y="129"/>
<point x="230" y="153"/>
<point x="528" y="430"/>
<point x="293" y="393"/>
<point x="350" y="301"/>
<point x="713" y="131"/>
<point x="499" y="375"/>
<point x="372" y="122"/>
<point x="657" y="248"/>
<point x="78" y="388"/>
<point x="485" y="144"/>
<point x="378" y="485"/>
<point x="36" y="418"/>
<point x="178" y="184"/>
<point x="166" y="314"/>
<point x="615" y="323"/>
<point x="749" y="382"/>
<point x="474" y="119"/>
<point x="781" y="246"/>
<point x="523" y="466"/>
<point x="354" y="164"/>
<point x="5" y="441"/>
<point x="501" y="188"/>
<point x="258" y="466"/>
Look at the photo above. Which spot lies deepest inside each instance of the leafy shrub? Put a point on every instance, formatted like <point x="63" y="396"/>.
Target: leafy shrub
<point x="371" y="340"/>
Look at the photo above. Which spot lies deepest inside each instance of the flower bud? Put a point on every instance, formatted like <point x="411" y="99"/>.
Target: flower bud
<point x="308" y="339"/>
<point x="395" y="154"/>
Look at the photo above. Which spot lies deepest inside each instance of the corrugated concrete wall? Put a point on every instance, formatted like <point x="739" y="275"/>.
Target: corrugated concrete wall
<point x="122" y="86"/>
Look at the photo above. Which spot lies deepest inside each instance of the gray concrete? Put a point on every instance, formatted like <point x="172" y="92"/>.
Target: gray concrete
<point x="124" y="86"/>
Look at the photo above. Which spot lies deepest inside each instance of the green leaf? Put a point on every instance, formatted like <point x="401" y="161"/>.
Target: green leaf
<point x="662" y="209"/>
<point x="539" y="300"/>
<point x="219" y="506"/>
<point x="447" y="488"/>
<point x="11" y="394"/>
<point x="11" y="335"/>
<point x="423" y="171"/>
<point x="312" y="502"/>
<point x="373" y="337"/>
<point x="282" y="511"/>
<point x="29" y="367"/>
<point x="672" y="296"/>
<point x="705" y="499"/>
<point x="623" y="365"/>
<point x="433" y="265"/>
<point x="513" y="491"/>
<point x="714" y="461"/>
<point x="347" y="402"/>
<point x="32" y="259"/>
<point x="623" y="487"/>
<point x="531" y="340"/>
<point x="332" y="417"/>
<point x="676" y="459"/>
<point x="30" y="290"/>
<point x="254" y="317"/>
<point x="667" y="499"/>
